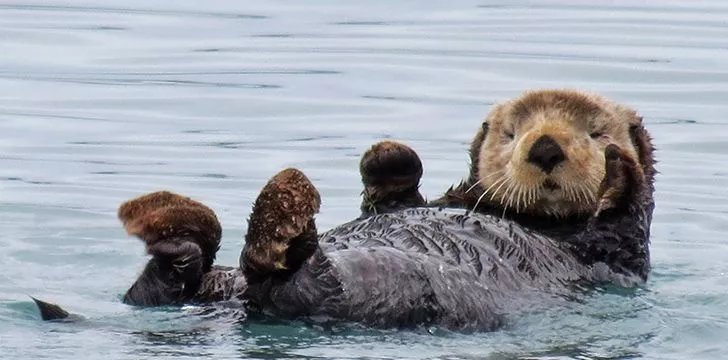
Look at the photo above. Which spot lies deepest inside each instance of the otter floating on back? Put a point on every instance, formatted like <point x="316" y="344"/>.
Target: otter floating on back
<point x="559" y="194"/>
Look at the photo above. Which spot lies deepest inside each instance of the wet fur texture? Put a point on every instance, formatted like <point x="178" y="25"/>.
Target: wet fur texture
<point x="391" y="175"/>
<point x="182" y="235"/>
<point x="281" y="229"/>
<point x="402" y="266"/>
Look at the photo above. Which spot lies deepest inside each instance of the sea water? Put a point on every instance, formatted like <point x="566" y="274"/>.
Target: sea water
<point x="102" y="101"/>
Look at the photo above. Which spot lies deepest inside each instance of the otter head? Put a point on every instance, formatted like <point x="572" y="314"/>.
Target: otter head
<point x="543" y="153"/>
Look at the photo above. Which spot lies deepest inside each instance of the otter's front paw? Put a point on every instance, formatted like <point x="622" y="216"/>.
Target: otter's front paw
<point x="281" y="229"/>
<point x="391" y="175"/>
<point x="623" y="179"/>
<point x="183" y="256"/>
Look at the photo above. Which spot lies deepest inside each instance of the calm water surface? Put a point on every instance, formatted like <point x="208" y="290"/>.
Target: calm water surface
<point x="101" y="101"/>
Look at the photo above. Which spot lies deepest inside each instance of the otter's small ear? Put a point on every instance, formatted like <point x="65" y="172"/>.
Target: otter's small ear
<point x="642" y="142"/>
<point x="475" y="150"/>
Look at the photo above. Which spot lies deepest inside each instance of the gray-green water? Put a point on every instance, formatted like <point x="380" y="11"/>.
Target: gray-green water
<point x="101" y="101"/>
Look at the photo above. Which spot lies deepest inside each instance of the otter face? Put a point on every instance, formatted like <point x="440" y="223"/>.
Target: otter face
<point x="543" y="153"/>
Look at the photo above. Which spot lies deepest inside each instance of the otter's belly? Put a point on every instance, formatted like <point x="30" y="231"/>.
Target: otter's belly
<point x="423" y="267"/>
<point x="498" y="252"/>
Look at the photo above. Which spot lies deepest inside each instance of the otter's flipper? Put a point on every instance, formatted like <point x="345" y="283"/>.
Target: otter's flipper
<point x="281" y="229"/>
<point x="183" y="237"/>
<point x="391" y="175"/>
<point x="160" y="216"/>
<point x="50" y="311"/>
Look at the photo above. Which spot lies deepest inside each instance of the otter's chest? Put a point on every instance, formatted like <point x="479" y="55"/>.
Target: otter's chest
<point x="489" y="247"/>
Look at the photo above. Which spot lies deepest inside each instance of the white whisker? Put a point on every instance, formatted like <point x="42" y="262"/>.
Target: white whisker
<point x="494" y="184"/>
<point x="521" y="197"/>
<point x="500" y="172"/>
<point x="530" y="196"/>
<point x="478" y="202"/>
<point x="593" y="194"/>
<point x="480" y="198"/>
<point x="571" y="192"/>
<point x="589" y="196"/>
<point x="583" y="193"/>
<point x="509" y="195"/>
<point x="492" y="196"/>
<point x="474" y="185"/>
<point x="504" y="195"/>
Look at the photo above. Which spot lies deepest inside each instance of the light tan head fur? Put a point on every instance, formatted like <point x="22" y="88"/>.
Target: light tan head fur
<point x="511" y="173"/>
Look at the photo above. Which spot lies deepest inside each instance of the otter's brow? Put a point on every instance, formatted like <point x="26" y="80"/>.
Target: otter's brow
<point x="586" y="112"/>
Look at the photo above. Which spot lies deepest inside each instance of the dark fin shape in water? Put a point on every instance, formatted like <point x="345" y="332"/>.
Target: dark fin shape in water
<point x="50" y="311"/>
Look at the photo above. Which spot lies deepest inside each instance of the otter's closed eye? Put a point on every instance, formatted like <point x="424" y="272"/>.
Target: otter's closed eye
<point x="596" y="134"/>
<point x="508" y="134"/>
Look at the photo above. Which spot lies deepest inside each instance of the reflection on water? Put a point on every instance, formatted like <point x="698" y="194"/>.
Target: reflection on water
<point x="101" y="101"/>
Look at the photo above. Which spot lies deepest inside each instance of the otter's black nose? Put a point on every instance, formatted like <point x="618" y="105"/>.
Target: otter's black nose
<point x="546" y="154"/>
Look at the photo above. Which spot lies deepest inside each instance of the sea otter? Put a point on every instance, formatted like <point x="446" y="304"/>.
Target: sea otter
<point x="559" y="195"/>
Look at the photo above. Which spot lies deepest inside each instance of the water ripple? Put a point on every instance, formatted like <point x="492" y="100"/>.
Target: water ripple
<point x="101" y="101"/>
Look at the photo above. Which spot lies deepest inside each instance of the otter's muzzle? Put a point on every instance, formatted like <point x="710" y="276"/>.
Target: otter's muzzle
<point x="546" y="154"/>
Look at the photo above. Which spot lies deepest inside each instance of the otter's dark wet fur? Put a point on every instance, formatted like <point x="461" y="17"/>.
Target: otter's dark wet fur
<point x="630" y="223"/>
<point x="399" y="266"/>
<point x="461" y="271"/>
<point x="183" y="237"/>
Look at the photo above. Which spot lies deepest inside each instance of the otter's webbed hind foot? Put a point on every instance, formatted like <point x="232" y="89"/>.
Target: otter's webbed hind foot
<point x="281" y="229"/>
<point x="391" y="174"/>
<point x="182" y="235"/>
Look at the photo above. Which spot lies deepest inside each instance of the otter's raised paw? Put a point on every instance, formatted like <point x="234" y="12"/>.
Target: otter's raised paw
<point x="623" y="179"/>
<point x="281" y="229"/>
<point x="391" y="175"/>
